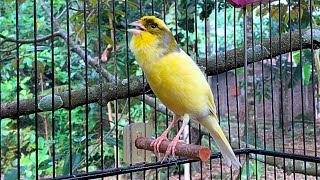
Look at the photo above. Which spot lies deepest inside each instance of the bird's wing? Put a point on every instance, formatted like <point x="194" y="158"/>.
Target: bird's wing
<point x="211" y="104"/>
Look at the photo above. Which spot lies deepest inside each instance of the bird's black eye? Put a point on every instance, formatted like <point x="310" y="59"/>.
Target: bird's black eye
<point x="153" y="25"/>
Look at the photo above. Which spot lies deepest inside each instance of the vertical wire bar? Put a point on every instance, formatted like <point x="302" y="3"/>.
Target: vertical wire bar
<point x="156" y="130"/>
<point x="291" y="81"/>
<point x="313" y="85"/>
<point x="144" y="92"/>
<point x="152" y="7"/>
<point x="86" y="83"/>
<point x="177" y="39"/>
<point x="226" y="73"/>
<point x="167" y="116"/>
<point x="246" y="86"/>
<point x="18" y="97"/>
<point x="206" y="54"/>
<point x="69" y="90"/>
<point x="281" y="91"/>
<point x="271" y="73"/>
<point x="18" y="163"/>
<point x="236" y="79"/>
<point x="217" y="74"/>
<point x="35" y="34"/>
<point x="197" y="60"/>
<point x="263" y="93"/>
<point x="196" y="36"/>
<point x="18" y="125"/>
<point x="52" y="81"/>
<point x="155" y="102"/>
<point x="127" y="64"/>
<point x="116" y="83"/>
<point x="302" y="95"/>
<point x="206" y="58"/>
<point x="187" y="51"/>
<point x="254" y="92"/>
<point x="100" y="84"/>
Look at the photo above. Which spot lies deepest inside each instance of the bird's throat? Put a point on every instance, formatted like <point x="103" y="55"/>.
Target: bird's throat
<point x="149" y="48"/>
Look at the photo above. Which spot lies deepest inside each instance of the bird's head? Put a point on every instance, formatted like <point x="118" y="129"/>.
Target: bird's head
<point x="149" y="25"/>
<point x="151" y="39"/>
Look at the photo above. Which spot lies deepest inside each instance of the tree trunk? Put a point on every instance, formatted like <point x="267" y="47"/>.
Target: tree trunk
<point x="317" y="89"/>
<point x="283" y="93"/>
<point x="250" y="88"/>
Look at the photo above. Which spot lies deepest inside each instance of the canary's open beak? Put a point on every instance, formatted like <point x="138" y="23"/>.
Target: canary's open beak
<point x="139" y="28"/>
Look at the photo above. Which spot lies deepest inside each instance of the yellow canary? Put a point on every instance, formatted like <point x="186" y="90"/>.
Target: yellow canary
<point x="177" y="81"/>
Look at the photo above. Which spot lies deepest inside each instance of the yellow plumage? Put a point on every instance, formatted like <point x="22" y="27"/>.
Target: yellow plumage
<point x="176" y="80"/>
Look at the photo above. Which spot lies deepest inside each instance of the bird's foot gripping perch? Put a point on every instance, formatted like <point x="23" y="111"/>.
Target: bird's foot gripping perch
<point x="172" y="146"/>
<point x="157" y="142"/>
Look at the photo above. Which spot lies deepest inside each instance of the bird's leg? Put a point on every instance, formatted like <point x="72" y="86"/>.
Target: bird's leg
<point x="156" y="143"/>
<point x="172" y="145"/>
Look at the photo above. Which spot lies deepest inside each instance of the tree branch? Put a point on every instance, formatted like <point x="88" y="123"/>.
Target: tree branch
<point x="231" y="60"/>
<point x="76" y="48"/>
<point x="27" y="41"/>
<point x="158" y="106"/>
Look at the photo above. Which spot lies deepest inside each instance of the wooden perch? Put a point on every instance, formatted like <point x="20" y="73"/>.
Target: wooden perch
<point x="185" y="150"/>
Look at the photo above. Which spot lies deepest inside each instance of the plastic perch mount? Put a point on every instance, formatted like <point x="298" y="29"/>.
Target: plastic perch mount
<point x="202" y="153"/>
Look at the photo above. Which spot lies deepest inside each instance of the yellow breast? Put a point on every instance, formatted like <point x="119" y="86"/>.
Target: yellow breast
<point x="179" y="84"/>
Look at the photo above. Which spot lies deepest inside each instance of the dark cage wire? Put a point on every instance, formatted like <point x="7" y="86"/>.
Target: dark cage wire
<point x="69" y="66"/>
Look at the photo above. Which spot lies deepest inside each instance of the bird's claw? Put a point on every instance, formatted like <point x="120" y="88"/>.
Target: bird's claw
<point x="156" y="145"/>
<point x="171" y="149"/>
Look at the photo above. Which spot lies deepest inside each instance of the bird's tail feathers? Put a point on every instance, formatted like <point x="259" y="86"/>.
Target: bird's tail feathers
<point x="211" y="124"/>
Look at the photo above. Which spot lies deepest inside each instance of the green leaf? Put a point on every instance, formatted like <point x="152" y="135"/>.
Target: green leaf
<point x="296" y="57"/>
<point x="73" y="17"/>
<point x="107" y="39"/>
<point x="107" y="27"/>
<point x="255" y="169"/>
<point x="14" y="62"/>
<point x="75" y="161"/>
<point x="120" y="12"/>
<point x="133" y="5"/>
<point x="4" y="122"/>
<point x="32" y="138"/>
<point x="306" y="73"/>
<point x="240" y="14"/>
<point x="4" y="132"/>
<point x="20" y="2"/>
<point x="41" y="142"/>
<point x="286" y="18"/>
<point x="92" y="18"/>
<point x="239" y="71"/>
<point x="40" y="66"/>
<point x="12" y="174"/>
<point x="48" y="162"/>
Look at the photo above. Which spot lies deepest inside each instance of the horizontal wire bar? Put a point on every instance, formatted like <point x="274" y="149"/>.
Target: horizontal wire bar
<point x="135" y="168"/>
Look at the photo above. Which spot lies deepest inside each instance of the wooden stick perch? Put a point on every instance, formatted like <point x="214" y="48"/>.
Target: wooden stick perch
<point x="185" y="150"/>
